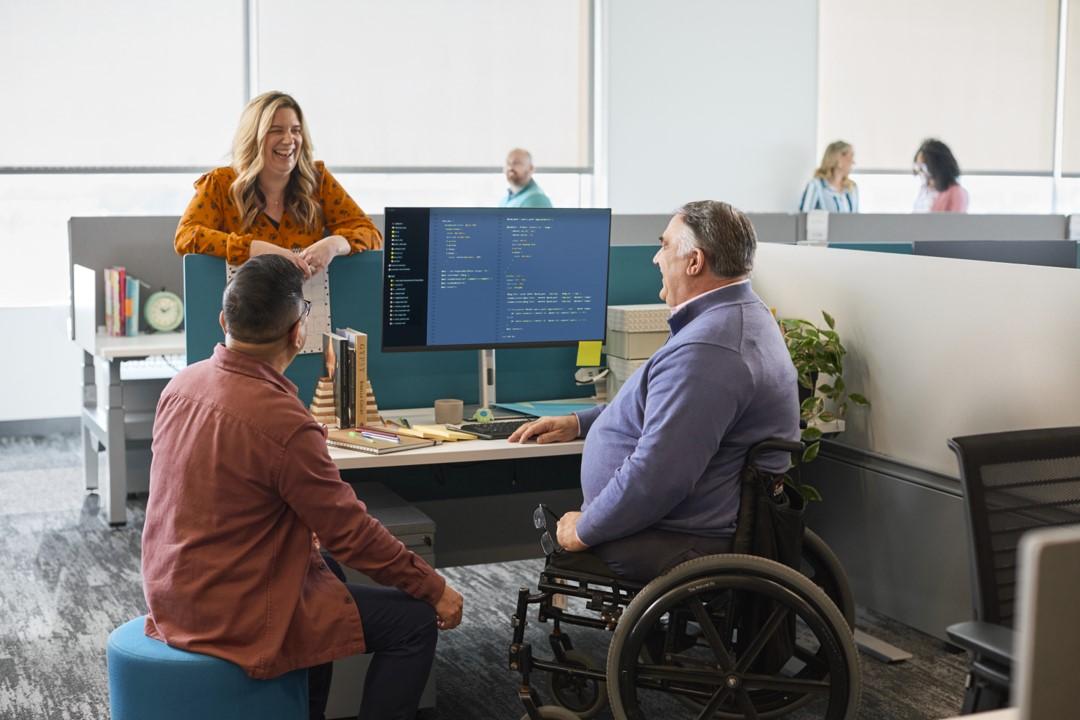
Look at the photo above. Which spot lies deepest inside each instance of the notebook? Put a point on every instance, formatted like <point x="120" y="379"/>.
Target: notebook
<point x="351" y="439"/>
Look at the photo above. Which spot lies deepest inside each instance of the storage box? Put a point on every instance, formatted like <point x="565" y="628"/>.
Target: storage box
<point x="635" y="345"/>
<point x="417" y="531"/>
<point x="638" y="318"/>
<point x="620" y="371"/>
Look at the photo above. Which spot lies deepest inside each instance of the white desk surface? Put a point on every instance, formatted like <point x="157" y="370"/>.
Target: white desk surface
<point x="454" y="452"/>
<point x="142" y="345"/>
<point x="1006" y="714"/>
<point x="449" y="452"/>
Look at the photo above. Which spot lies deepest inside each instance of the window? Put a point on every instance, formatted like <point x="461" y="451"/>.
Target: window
<point x="979" y="75"/>
<point x="434" y="83"/>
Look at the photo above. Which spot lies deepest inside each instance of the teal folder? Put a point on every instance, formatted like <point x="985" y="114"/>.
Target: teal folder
<point x="538" y="409"/>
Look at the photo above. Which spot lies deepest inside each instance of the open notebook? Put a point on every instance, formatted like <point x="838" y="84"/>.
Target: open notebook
<point x="351" y="439"/>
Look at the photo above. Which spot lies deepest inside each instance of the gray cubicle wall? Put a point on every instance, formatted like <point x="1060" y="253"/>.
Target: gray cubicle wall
<point x="646" y="229"/>
<point x="143" y="245"/>
<point x="1048" y="253"/>
<point x="908" y="228"/>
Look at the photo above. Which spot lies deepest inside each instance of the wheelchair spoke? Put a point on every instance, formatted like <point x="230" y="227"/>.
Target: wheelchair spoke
<point x="715" y="702"/>
<point x="742" y="698"/>
<point x="786" y="685"/>
<point x="779" y="614"/>
<point x="723" y="657"/>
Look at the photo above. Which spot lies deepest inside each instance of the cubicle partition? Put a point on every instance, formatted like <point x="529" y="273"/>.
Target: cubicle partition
<point x="942" y="348"/>
<point x="416" y="379"/>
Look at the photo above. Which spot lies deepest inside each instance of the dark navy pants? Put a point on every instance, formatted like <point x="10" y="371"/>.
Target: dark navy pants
<point x="401" y="633"/>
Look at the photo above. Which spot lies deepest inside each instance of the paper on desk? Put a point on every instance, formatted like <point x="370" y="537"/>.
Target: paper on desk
<point x="588" y="353"/>
<point x="317" y="290"/>
<point x="539" y="409"/>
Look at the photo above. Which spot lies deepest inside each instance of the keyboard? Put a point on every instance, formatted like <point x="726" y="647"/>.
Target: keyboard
<point x="152" y="367"/>
<point x="497" y="430"/>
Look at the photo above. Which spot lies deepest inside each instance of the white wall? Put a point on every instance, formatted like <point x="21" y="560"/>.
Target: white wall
<point x="40" y="368"/>
<point x="709" y="99"/>
<point x="942" y="347"/>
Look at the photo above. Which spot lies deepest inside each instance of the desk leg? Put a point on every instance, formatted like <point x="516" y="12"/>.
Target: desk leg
<point x="115" y="495"/>
<point x="90" y="443"/>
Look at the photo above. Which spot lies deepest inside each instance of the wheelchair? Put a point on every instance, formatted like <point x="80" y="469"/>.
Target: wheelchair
<point x="728" y="636"/>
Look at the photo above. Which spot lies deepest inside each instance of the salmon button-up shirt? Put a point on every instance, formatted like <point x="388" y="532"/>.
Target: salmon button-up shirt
<point x="240" y="480"/>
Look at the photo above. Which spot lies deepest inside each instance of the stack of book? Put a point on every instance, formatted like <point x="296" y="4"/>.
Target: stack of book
<point x="345" y="370"/>
<point x="121" y="302"/>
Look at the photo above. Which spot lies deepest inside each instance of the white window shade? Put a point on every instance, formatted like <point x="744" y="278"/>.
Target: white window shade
<point x="1070" y="161"/>
<point x="119" y="83"/>
<point x="978" y="75"/>
<point x="434" y="83"/>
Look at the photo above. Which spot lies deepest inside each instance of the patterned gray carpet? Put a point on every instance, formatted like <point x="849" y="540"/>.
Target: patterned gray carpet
<point x="66" y="580"/>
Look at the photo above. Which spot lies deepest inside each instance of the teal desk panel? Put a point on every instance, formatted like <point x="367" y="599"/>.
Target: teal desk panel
<point x="416" y="379"/>
<point x="898" y="248"/>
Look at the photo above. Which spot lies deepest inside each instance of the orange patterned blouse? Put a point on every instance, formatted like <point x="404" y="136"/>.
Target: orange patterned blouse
<point x="211" y="223"/>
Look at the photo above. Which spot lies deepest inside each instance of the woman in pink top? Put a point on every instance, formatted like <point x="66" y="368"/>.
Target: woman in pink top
<point x="941" y="192"/>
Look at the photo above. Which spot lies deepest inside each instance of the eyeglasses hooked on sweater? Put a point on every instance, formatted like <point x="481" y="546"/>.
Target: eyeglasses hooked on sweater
<point x="544" y="518"/>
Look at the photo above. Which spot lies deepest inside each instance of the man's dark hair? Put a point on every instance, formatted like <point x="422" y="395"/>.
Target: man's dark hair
<point x="941" y="166"/>
<point x="263" y="299"/>
<point x="723" y="233"/>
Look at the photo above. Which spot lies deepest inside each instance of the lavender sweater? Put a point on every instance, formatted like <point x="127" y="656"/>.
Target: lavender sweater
<point x="668" y="450"/>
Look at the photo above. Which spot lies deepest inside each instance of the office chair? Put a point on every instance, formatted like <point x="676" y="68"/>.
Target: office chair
<point x="1013" y="482"/>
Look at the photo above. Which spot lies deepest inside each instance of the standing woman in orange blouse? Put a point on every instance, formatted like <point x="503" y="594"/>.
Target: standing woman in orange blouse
<point x="274" y="198"/>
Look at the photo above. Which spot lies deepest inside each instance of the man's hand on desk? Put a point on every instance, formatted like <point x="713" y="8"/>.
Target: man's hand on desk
<point x="448" y="609"/>
<point x="567" y="533"/>
<point x="562" y="428"/>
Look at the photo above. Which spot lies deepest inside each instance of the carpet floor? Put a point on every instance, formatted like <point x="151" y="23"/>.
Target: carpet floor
<point x="67" y="579"/>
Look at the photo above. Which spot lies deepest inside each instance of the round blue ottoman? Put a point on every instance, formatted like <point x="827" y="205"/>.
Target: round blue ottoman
<point x="149" y="679"/>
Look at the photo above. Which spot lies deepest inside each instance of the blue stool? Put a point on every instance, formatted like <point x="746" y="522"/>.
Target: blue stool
<point x="149" y="679"/>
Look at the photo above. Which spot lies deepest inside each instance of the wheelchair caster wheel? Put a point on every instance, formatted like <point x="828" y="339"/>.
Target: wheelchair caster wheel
<point x="583" y="697"/>
<point x="552" y="712"/>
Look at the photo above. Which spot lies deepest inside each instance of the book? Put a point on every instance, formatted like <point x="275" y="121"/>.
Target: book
<point x="351" y="439"/>
<point x="333" y="368"/>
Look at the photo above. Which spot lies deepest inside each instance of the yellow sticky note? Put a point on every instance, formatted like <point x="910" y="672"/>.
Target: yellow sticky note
<point x="588" y="353"/>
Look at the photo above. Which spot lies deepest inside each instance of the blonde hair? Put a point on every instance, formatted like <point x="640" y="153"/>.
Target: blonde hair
<point x="831" y="159"/>
<point x="247" y="159"/>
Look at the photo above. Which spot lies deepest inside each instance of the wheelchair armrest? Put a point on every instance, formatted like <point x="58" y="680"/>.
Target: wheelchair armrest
<point x="994" y="642"/>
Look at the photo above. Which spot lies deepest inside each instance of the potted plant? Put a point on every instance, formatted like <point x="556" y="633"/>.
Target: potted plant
<point x="818" y="356"/>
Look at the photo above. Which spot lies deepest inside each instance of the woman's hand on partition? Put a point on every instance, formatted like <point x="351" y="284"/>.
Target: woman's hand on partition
<point x="320" y="254"/>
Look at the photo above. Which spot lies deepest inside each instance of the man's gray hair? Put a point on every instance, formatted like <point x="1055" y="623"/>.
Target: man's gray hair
<point x="722" y="232"/>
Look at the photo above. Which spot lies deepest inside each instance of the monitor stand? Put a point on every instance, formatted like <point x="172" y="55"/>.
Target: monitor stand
<point x="487" y="378"/>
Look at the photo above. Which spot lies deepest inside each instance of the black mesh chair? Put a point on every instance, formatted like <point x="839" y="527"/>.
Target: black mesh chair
<point x="1013" y="482"/>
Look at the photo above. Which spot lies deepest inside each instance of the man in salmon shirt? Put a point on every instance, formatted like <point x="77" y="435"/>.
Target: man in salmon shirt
<point x="241" y="479"/>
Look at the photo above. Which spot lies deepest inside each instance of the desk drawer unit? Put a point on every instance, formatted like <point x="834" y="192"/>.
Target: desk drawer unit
<point x="417" y="531"/>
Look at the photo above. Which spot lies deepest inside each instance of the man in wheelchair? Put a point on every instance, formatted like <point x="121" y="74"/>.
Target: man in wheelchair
<point x="663" y="480"/>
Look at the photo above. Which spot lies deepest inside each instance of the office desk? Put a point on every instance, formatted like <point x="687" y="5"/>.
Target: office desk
<point x="480" y="493"/>
<point x="1006" y="714"/>
<point x="112" y="413"/>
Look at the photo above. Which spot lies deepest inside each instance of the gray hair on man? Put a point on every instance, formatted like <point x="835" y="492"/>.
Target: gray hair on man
<point x="722" y="232"/>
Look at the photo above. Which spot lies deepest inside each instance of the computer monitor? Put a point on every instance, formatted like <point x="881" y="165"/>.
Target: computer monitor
<point x="457" y="278"/>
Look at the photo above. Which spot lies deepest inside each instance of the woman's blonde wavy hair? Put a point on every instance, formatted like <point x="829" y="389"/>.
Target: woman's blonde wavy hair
<point x="301" y="197"/>
<point x="831" y="159"/>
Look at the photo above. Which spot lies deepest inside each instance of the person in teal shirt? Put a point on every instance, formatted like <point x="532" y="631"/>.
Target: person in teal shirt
<point x="523" y="192"/>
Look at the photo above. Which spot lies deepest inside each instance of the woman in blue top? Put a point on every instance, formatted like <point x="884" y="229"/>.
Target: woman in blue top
<point x="831" y="189"/>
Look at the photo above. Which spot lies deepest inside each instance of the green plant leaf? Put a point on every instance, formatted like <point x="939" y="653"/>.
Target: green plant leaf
<point x="811" y="435"/>
<point x="828" y="319"/>
<point x="810" y="493"/>
<point x="811" y="450"/>
<point x="858" y="399"/>
<point x="826" y="417"/>
<point x="840" y="387"/>
<point x="826" y="389"/>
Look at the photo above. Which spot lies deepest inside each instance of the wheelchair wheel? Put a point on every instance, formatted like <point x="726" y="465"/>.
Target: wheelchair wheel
<point x="581" y="696"/>
<point x="796" y="649"/>
<point x="820" y="564"/>
<point x="552" y="712"/>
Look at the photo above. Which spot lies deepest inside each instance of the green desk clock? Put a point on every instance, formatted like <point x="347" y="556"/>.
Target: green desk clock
<point x="164" y="311"/>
